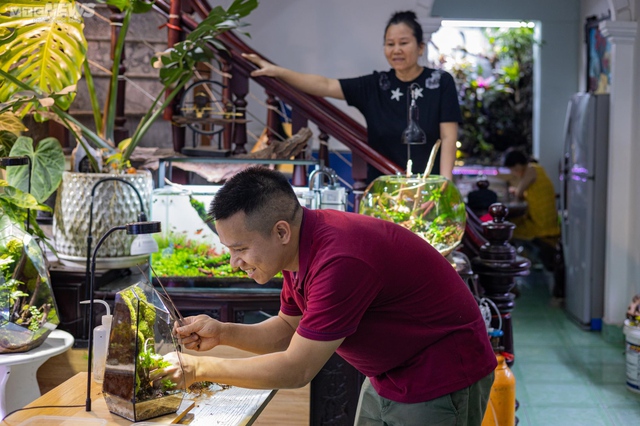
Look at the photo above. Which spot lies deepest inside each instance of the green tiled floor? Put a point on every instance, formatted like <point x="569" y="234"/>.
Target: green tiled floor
<point x="565" y="375"/>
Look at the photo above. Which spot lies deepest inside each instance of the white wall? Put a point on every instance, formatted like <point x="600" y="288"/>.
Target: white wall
<point x="622" y="268"/>
<point x="634" y="181"/>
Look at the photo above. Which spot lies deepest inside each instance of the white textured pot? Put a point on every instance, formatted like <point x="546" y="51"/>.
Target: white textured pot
<point x="115" y="203"/>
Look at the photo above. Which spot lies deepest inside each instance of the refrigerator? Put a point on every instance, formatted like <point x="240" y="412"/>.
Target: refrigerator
<point x="583" y="206"/>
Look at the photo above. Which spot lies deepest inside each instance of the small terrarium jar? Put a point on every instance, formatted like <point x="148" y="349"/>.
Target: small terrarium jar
<point x="28" y="311"/>
<point x="432" y="207"/>
<point x="141" y="333"/>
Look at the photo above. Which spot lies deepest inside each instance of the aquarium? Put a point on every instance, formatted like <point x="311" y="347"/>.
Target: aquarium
<point x="431" y="207"/>
<point x="190" y="252"/>
<point x="28" y="311"/>
<point x="141" y="333"/>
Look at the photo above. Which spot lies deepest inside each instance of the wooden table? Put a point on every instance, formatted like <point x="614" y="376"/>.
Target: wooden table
<point x="231" y="407"/>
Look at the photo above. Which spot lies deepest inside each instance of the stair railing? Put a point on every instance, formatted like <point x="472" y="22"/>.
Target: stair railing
<point x="331" y="122"/>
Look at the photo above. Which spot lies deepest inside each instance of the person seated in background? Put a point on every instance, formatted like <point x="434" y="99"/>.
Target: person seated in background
<point x="538" y="230"/>
<point x="536" y="189"/>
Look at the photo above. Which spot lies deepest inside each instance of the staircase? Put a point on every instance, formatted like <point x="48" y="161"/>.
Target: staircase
<point x="331" y="122"/>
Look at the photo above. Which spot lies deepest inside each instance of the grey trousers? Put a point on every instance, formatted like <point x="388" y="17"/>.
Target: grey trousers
<point x="461" y="408"/>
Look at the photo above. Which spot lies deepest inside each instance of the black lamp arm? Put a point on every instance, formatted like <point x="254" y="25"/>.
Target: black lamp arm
<point x="141" y="217"/>
<point x="93" y="190"/>
<point x="93" y="276"/>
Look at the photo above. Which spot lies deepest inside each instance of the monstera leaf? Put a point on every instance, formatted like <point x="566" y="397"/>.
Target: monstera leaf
<point x="42" y="45"/>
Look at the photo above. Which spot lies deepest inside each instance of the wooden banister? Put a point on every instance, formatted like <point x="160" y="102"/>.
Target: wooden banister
<point x="334" y="122"/>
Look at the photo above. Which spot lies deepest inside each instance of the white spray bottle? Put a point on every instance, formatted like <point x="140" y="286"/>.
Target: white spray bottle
<point x="100" y="342"/>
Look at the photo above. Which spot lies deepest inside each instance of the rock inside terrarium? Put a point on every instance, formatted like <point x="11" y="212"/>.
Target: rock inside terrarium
<point x="28" y="311"/>
<point x="140" y="336"/>
<point x="432" y="207"/>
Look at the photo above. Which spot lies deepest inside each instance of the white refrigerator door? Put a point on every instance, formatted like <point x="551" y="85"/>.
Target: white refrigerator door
<point x="578" y="248"/>
<point x="583" y="201"/>
<point x="582" y="135"/>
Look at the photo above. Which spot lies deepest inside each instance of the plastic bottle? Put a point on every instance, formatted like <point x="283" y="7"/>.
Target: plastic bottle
<point x="100" y="342"/>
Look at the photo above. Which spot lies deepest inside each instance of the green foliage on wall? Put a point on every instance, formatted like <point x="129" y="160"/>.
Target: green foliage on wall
<point x="497" y="103"/>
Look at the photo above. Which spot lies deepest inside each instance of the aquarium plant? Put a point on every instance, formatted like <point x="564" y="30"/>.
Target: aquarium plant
<point x="28" y="311"/>
<point x="431" y="206"/>
<point x="180" y="256"/>
<point x="141" y="333"/>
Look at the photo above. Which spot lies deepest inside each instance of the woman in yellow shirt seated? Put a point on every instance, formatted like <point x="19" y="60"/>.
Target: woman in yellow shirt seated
<point x="534" y="187"/>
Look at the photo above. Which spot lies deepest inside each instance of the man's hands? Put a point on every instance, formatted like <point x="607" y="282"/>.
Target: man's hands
<point x="199" y="333"/>
<point x="265" y="68"/>
<point x="182" y="370"/>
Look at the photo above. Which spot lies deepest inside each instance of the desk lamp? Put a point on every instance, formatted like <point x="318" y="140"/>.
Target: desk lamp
<point x="20" y="161"/>
<point x="142" y="244"/>
<point x="136" y="228"/>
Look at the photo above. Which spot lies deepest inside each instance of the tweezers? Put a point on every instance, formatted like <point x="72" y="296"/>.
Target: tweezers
<point x="178" y="316"/>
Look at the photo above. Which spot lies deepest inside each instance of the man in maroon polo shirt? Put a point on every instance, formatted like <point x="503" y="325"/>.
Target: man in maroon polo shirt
<point x="370" y="290"/>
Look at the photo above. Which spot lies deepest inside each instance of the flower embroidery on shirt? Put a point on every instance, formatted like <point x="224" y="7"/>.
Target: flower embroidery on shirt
<point x="396" y="94"/>
<point x="433" y="82"/>
<point x="384" y="82"/>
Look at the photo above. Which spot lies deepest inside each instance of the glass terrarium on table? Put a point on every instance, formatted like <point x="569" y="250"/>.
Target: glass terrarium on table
<point x="28" y="311"/>
<point x="141" y="333"/>
<point x="430" y="206"/>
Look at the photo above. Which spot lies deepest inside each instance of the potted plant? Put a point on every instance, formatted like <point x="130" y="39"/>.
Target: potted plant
<point x="38" y="79"/>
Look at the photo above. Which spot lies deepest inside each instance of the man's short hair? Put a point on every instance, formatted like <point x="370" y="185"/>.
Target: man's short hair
<point x="265" y="196"/>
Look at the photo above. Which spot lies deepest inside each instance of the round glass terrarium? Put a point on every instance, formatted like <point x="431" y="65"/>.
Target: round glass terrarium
<point x="28" y="311"/>
<point x="431" y="207"/>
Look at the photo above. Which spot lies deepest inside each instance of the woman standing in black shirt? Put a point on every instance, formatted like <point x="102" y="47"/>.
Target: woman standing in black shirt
<point x="382" y="97"/>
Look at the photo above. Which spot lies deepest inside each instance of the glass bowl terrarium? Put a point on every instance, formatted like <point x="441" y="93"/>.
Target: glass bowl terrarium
<point x="140" y="336"/>
<point x="432" y="207"/>
<point x="28" y="311"/>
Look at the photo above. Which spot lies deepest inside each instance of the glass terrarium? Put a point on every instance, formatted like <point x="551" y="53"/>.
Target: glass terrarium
<point x="141" y="333"/>
<point x="28" y="311"/>
<point x="431" y="207"/>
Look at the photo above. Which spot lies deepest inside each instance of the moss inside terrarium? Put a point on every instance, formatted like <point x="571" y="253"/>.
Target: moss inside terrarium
<point x="140" y="334"/>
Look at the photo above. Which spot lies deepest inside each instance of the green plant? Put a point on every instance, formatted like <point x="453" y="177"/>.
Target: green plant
<point x="141" y="325"/>
<point x="42" y="60"/>
<point x="430" y="207"/>
<point x="47" y="165"/>
<point x="496" y="99"/>
<point x="23" y="299"/>
<point x="181" y="257"/>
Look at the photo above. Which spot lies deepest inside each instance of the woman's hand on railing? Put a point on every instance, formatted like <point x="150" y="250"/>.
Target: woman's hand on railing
<point x="265" y="68"/>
